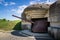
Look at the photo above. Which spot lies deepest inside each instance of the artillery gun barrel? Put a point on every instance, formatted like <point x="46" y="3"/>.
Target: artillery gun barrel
<point x="22" y="18"/>
<point x="16" y="16"/>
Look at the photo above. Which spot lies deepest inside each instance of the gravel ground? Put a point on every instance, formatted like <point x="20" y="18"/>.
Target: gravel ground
<point x="9" y="36"/>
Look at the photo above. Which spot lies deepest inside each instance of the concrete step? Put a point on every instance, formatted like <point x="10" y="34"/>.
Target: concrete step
<point x="28" y="33"/>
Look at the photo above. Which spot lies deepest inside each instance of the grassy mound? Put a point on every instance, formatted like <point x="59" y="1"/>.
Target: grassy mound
<point x="10" y="25"/>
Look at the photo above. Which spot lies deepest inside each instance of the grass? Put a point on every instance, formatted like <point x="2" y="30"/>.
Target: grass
<point x="10" y="25"/>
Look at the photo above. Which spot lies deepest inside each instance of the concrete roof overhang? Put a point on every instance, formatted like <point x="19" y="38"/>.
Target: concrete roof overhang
<point x="37" y="6"/>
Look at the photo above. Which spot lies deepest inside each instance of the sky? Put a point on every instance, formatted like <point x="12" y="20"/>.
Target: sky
<point x="16" y="7"/>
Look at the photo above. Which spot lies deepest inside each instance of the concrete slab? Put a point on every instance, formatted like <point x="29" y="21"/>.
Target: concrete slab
<point x="36" y="35"/>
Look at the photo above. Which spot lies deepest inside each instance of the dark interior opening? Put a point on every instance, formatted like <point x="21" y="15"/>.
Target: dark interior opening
<point x="40" y="25"/>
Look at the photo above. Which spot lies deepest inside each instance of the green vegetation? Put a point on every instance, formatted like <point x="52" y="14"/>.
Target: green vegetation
<point x="10" y="25"/>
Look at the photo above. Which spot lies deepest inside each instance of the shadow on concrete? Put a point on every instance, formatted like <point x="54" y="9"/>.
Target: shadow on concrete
<point x="17" y="33"/>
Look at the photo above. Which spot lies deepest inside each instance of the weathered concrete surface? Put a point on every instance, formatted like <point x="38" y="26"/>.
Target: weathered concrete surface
<point x="26" y="25"/>
<point x="9" y="36"/>
<point x="58" y="1"/>
<point x="54" y="15"/>
<point x="54" y="12"/>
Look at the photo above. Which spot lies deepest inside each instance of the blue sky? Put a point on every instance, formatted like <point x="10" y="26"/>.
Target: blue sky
<point x="16" y="7"/>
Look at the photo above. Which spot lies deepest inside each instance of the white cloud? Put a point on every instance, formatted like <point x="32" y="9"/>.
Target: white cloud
<point x="20" y="9"/>
<point x="12" y="3"/>
<point x="13" y="10"/>
<point x="34" y="2"/>
<point x="7" y="3"/>
<point x="50" y="1"/>
<point x="37" y="1"/>
<point x="40" y="1"/>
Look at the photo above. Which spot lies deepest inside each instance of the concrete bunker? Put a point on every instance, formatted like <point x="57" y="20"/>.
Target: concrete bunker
<point x="37" y="13"/>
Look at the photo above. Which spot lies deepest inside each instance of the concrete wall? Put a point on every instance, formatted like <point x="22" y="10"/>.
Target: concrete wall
<point x="54" y="16"/>
<point x="39" y="13"/>
<point x="26" y="26"/>
<point x="58" y="1"/>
